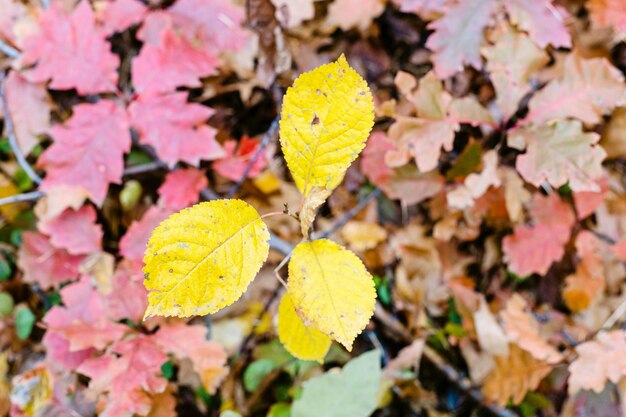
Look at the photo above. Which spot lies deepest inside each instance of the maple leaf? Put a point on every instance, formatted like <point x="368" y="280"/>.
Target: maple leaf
<point x="232" y="166"/>
<point x="75" y="231"/>
<point x="599" y="361"/>
<point x="543" y="21"/>
<point x="181" y="188"/>
<point x="439" y="116"/>
<point x="133" y="243"/>
<point x="587" y="90"/>
<point x="29" y="106"/>
<point x="523" y="329"/>
<point x="16" y="21"/>
<point x="514" y="376"/>
<point x="560" y="153"/>
<point x="58" y="351"/>
<point x="605" y="13"/>
<point x="119" y="15"/>
<point x="510" y="61"/>
<point x="71" y="51"/>
<point x="190" y="342"/>
<point x="347" y="14"/>
<point x="175" y="128"/>
<point x="82" y="321"/>
<point x="128" y="297"/>
<point x="88" y="149"/>
<point x="588" y="282"/>
<point x="533" y="249"/>
<point x="130" y="371"/>
<point x="215" y="24"/>
<point x="167" y="60"/>
<point x="44" y="264"/>
<point x="458" y="36"/>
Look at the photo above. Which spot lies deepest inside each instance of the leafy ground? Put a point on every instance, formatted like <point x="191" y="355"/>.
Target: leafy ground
<point x="489" y="204"/>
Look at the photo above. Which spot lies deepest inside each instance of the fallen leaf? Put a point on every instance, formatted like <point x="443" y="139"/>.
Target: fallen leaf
<point x="181" y="188"/>
<point x="544" y="22"/>
<point x="490" y="335"/>
<point x="608" y="13"/>
<point x="75" y="231"/>
<point x="362" y="235"/>
<point x="88" y="150"/>
<point x="588" y="282"/>
<point x="408" y="357"/>
<point x="348" y="14"/>
<point x="237" y="158"/>
<point x="175" y="128"/>
<point x="133" y="243"/>
<point x="70" y="50"/>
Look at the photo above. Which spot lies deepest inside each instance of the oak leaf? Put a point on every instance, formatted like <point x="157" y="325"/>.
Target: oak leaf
<point x="458" y="35"/>
<point x="588" y="282"/>
<point x="544" y="21"/>
<point x="88" y="149"/>
<point x="560" y="153"/>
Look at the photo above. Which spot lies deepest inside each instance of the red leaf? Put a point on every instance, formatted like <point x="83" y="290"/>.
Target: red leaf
<point x="44" y="264"/>
<point x="75" y="230"/>
<point x="234" y="163"/>
<point x="71" y="51"/>
<point x="182" y="188"/>
<point x="88" y="150"/>
<point x="133" y="243"/>
<point x="83" y="321"/>
<point x="373" y="160"/>
<point x="29" y="105"/>
<point x="533" y="249"/>
<point x="58" y="351"/>
<point x="215" y="24"/>
<point x="586" y="202"/>
<point x="131" y="370"/>
<point x="189" y="341"/>
<point x="119" y="15"/>
<point x="175" y="128"/>
<point x="167" y="60"/>
<point x="128" y="298"/>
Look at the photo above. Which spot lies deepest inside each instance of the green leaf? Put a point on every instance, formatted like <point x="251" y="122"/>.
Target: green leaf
<point x="279" y="410"/>
<point x="5" y="269"/>
<point x="130" y="194"/>
<point x="24" y="322"/>
<point x="167" y="369"/>
<point x="229" y="413"/>
<point x="256" y="371"/>
<point x="466" y="163"/>
<point x="352" y="392"/>
<point x="6" y="304"/>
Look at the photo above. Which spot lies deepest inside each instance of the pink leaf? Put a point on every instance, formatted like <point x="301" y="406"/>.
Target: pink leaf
<point x="189" y="341"/>
<point x="544" y="22"/>
<point x="58" y="351"/>
<point x="128" y="298"/>
<point x="88" y="150"/>
<point x="75" y="230"/>
<point x="82" y="321"/>
<point x="587" y="202"/>
<point x="29" y="105"/>
<point x="71" y="51"/>
<point x="459" y="35"/>
<point x="619" y="249"/>
<point x="182" y="188"/>
<point x="234" y="163"/>
<point x="215" y="24"/>
<point x="167" y="60"/>
<point x="533" y="249"/>
<point x="119" y="15"/>
<point x="373" y="163"/>
<point x="133" y="243"/>
<point x="44" y="264"/>
<point x="130" y="372"/>
<point x="175" y="128"/>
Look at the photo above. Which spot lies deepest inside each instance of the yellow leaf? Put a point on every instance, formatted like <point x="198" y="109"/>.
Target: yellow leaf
<point x="316" y="198"/>
<point x="302" y="341"/>
<point x="203" y="258"/>
<point x="331" y="289"/>
<point x="326" y="118"/>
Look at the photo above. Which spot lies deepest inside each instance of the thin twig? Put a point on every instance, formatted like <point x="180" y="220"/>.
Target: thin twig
<point x="18" y="198"/>
<point x="349" y="215"/>
<point x="268" y="138"/>
<point x="8" y="50"/>
<point x="143" y="168"/>
<point x="19" y="156"/>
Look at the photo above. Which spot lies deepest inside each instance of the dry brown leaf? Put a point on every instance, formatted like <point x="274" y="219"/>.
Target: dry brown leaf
<point x="408" y="357"/>
<point x="588" y="282"/>
<point x="514" y="376"/>
<point x="363" y="235"/>
<point x="491" y="337"/>
<point x="522" y="328"/>
<point x="614" y="136"/>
